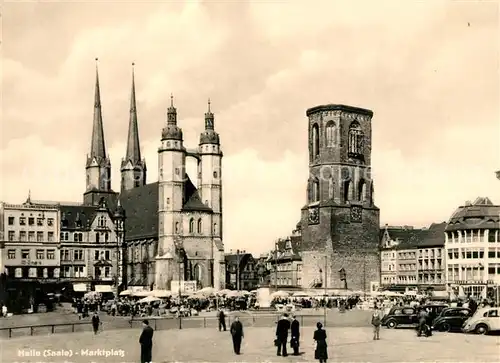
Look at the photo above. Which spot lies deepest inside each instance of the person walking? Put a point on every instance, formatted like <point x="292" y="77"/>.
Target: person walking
<point x="295" y="333"/>
<point x="222" y="320"/>
<point x="237" y="334"/>
<point x="376" y="321"/>
<point x="146" y="342"/>
<point x="321" y="351"/>
<point x="282" y="335"/>
<point x="95" y="322"/>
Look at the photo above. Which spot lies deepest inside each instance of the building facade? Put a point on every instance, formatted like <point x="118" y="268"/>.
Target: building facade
<point x="472" y="248"/>
<point x="340" y="221"/>
<point x="285" y="263"/>
<point x="31" y="250"/>
<point x="388" y="266"/>
<point x="431" y="259"/>
<point x="407" y="273"/>
<point x="241" y="271"/>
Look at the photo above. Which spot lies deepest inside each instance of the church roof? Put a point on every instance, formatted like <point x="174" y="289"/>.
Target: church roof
<point x="141" y="208"/>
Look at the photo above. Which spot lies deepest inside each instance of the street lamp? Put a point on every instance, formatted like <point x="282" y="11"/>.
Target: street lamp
<point x="119" y="219"/>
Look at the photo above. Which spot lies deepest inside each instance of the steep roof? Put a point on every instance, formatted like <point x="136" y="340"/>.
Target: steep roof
<point x="232" y="259"/>
<point x="434" y="236"/>
<point x="141" y="208"/>
<point x="192" y="200"/>
<point x="481" y="214"/>
<point x="284" y="253"/>
<point x="77" y="216"/>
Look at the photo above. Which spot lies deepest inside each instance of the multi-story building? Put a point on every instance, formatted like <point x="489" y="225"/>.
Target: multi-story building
<point x="241" y="271"/>
<point x="285" y="263"/>
<point x="472" y="247"/>
<point x="406" y="268"/>
<point x="90" y="253"/>
<point x="340" y="221"/>
<point x="388" y="266"/>
<point x="431" y="258"/>
<point x="31" y="248"/>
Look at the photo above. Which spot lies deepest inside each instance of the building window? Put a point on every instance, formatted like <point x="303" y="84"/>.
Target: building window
<point x="25" y="254"/>
<point x="355" y="139"/>
<point x="31" y="221"/>
<point x="200" y="226"/>
<point x="11" y="254"/>
<point x="97" y="237"/>
<point x="12" y="235"/>
<point x="65" y="255"/>
<point x="50" y="236"/>
<point x="40" y="254"/>
<point x="22" y="221"/>
<point x="78" y="255"/>
<point x="215" y="228"/>
<point x="106" y="255"/>
<point x="31" y="236"/>
<point x="176" y="227"/>
<point x="39" y="236"/>
<point x="64" y="236"/>
<point x="78" y="237"/>
<point x="96" y="255"/>
<point x="491" y="235"/>
<point x="315" y="141"/>
<point x="51" y="254"/>
<point x="107" y="271"/>
<point x="79" y="271"/>
<point x="191" y="225"/>
<point x="315" y="191"/>
<point x="50" y="222"/>
<point x="11" y="221"/>
<point x="101" y="222"/>
<point x="331" y="134"/>
<point x="347" y="190"/>
<point x="362" y="190"/>
<point x="39" y="221"/>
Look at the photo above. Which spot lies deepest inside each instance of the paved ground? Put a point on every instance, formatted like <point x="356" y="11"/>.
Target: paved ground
<point x="209" y="345"/>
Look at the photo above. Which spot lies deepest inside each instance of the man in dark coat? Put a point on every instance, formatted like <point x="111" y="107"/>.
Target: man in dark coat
<point x="146" y="342"/>
<point x="237" y="334"/>
<point x="222" y="320"/>
<point x="282" y="335"/>
<point x="95" y="322"/>
<point x="295" y="333"/>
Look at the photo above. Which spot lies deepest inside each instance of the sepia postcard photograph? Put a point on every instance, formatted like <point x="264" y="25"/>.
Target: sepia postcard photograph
<point x="249" y="181"/>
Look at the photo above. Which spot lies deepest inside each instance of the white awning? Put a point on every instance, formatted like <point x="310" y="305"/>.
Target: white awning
<point x="103" y="288"/>
<point x="80" y="287"/>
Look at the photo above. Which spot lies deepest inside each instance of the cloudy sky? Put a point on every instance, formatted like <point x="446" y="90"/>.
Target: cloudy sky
<point x="428" y="70"/>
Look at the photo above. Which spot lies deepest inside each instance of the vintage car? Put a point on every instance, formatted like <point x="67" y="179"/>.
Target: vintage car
<point x="400" y="316"/>
<point x="451" y="319"/>
<point x="483" y="321"/>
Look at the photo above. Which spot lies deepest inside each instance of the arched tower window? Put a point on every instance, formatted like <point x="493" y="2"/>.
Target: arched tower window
<point x="315" y="190"/>
<point x="347" y="189"/>
<point x="331" y="134"/>
<point x="315" y="140"/>
<point x="176" y="227"/>
<point x="197" y="272"/>
<point x="200" y="226"/>
<point x="355" y="139"/>
<point x="362" y="190"/>
<point x="191" y="225"/>
<point x="371" y="194"/>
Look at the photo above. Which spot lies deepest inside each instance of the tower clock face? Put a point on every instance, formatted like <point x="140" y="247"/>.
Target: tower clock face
<point x="356" y="214"/>
<point x="313" y="215"/>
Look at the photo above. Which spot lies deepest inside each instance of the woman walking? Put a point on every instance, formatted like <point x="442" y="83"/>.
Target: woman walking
<point x="321" y="352"/>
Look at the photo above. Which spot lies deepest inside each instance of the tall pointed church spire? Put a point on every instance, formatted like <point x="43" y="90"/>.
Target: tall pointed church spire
<point x="172" y="112"/>
<point x="98" y="147"/>
<point x="133" y="148"/>
<point x="209" y="136"/>
<point x="133" y="169"/>
<point x="209" y="118"/>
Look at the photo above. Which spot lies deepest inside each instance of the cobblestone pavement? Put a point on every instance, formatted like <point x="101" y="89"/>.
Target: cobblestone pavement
<point x="209" y="345"/>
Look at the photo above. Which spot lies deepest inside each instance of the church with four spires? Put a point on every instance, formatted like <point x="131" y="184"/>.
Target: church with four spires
<point x="173" y="229"/>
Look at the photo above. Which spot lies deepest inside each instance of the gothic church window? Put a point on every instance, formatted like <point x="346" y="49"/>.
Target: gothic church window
<point x="355" y="139"/>
<point x="200" y="226"/>
<point x="362" y="191"/>
<point x="191" y="225"/>
<point x="371" y="193"/>
<point x="331" y="134"/>
<point x="315" y="140"/>
<point x="347" y="189"/>
<point x="315" y="190"/>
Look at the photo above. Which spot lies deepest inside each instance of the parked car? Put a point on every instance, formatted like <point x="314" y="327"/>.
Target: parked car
<point x="451" y="319"/>
<point x="400" y="316"/>
<point x="485" y="320"/>
<point x="434" y="310"/>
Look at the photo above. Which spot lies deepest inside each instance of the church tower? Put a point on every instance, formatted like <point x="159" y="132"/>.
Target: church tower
<point x="98" y="166"/>
<point x="133" y="168"/>
<point x="210" y="183"/>
<point x="340" y="223"/>
<point x="171" y="177"/>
